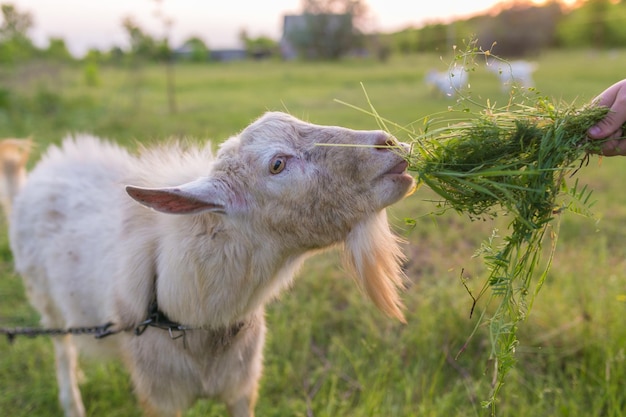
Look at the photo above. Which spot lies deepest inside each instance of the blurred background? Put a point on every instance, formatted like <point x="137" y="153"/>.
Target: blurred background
<point x="137" y="71"/>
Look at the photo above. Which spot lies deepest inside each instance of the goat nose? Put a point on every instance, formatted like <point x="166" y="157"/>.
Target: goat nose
<point x="384" y="141"/>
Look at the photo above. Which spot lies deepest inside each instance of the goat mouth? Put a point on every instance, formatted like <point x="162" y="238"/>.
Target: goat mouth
<point x="399" y="168"/>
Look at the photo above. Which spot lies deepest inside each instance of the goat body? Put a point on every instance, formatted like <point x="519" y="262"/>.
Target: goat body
<point x="515" y="73"/>
<point x="224" y="236"/>
<point x="448" y="83"/>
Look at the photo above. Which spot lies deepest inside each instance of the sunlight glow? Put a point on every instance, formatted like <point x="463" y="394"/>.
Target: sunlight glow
<point x="88" y="24"/>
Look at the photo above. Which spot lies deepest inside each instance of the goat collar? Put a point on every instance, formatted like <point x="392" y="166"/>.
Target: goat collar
<point x="157" y="318"/>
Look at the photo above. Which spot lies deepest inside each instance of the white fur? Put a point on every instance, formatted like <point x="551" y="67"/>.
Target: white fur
<point x="515" y="73"/>
<point x="225" y="236"/>
<point x="448" y="83"/>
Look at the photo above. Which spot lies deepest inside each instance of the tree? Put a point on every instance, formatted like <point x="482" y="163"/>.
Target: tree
<point x="167" y="56"/>
<point x="57" y="50"/>
<point x="355" y="8"/>
<point x="15" y="25"/>
<point x="258" y="48"/>
<point x="196" y="49"/>
<point x="142" y="45"/>
<point x="91" y="69"/>
<point x="598" y="13"/>
<point x="15" y="44"/>
<point x="145" y="47"/>
<point x="519" y="30"/>
<point x="328" y="29"/>
<point x="597" y="23"/>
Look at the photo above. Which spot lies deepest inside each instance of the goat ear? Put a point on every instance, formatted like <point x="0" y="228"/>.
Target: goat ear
<point x="193" y="197"/>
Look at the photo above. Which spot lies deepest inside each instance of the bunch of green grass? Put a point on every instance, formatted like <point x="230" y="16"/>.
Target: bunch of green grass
<point x="516" y="161"/>
<point x="513" y="160"/>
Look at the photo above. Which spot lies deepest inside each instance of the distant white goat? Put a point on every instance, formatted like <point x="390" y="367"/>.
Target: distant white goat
<point x="515" y="73"/>
<point x="225" y="236"/>
<point x="448" y="83"/>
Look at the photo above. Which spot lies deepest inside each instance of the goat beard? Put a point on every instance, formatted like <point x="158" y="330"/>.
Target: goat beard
<point x="373" y="256"/>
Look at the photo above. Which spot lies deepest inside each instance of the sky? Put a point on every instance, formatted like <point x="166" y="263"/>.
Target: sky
<point x="85" y="24"/>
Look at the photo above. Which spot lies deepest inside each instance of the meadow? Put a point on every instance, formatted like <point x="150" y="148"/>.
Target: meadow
<point x="330" y="352"/>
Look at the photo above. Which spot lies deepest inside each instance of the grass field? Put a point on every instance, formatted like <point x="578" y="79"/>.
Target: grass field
<point x="329" y="352"/>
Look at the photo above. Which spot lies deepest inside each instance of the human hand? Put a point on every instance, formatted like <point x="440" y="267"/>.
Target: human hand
<point x="610" y="128"/>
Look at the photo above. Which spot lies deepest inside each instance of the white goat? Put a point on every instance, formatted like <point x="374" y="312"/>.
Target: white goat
<point x="225" y="235"/>
<point x="448" y="83"/>
<point x="515" y="73"/>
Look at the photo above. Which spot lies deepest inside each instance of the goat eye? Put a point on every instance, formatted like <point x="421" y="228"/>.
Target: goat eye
<point x="278" y="164"/>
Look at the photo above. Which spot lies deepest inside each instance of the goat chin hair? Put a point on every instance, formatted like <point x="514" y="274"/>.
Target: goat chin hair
<point x="372" y="254"/>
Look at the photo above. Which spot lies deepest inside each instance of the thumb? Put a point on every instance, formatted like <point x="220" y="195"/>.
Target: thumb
<point x="605" y="127"/>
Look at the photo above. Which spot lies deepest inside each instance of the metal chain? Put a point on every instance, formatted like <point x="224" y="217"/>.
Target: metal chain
<point x="156" y="318"/>
<point x="98" y="331"/>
